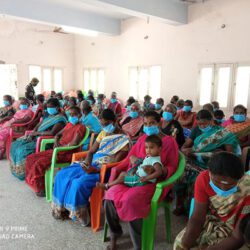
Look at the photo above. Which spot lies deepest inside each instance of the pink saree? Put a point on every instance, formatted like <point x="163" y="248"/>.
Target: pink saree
<point x="134" y="203"/>
<point x="5" y="127"/>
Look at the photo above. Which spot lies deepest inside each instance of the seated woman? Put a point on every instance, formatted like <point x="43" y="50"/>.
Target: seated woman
<point x="159" y="105"/>
<point x="21" y="116"/>
<point x="180" y="105"/>
<point x="115" y="105"/>
<point x="222" y="199"/>
<point x="133" y="125"/>
<point x="37" y="164"/>
<point x="219" y="117"/>
<point x="7" y="111"/>
<point x="132" y="204"/>
<point x="172" y="127"/>
<point x="126" y="115"/>
<point x="25" y="146"/>
<point x="92" y="103"/>
<point x="71" y="103"/>
<point x="100" y="106"/>
<point x="147" y="105"/>
<point x="73" y="185"/>
<point x="203" y="142"/>
<point x="186" y="117"/>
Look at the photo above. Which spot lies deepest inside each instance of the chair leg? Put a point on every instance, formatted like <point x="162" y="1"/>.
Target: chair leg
<point x="168" y="223"/>
<point x="48" y="185"/>
<point x="105" y="232"/>
<point x="148" y="229"/>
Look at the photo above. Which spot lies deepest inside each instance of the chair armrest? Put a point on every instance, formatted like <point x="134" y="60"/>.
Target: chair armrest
<point x="45" y="142"/>
<point x="78" y="156"/>
<point x="104" y="169"/>
<point x="39" y="142"/>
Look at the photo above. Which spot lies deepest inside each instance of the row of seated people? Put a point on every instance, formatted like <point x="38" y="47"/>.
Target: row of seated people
<point x="153" y="158"/>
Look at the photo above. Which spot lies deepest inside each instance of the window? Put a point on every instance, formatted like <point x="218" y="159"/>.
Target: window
<point x="8" y="80"/>
<point x="49" y="78"/>
<point x="226" y="83"/>
<point x="145" y="81"/>
<point x="94" y="79"/>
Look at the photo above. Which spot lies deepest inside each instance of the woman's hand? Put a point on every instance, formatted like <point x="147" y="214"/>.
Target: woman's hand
<point x="187" y="152"/>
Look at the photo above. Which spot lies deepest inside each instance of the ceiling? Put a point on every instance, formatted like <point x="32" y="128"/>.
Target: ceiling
<point x="102" y="16"/>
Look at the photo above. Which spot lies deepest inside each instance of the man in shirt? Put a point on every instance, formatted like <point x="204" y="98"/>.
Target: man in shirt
<point x="29" y="90"/>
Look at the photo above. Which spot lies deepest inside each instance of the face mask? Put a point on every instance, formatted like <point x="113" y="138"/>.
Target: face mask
<point x="52" y="111"/>
<point x="239" y="118"/>
<point x="128" y="108"/>
<point x="113" y="100"/>
<point x="220" y="120"/>
<point x="109" y="128"/>
<point x="23" y="106"/>
<point x="221" y="192"/>
<point x="90" y="102"/>
<point x="152" y="130"/>
<point x="61" y="103"/>
<point x="167" y="116"/>
<point x="206" y="129"/>
<point x="178" y="108"/>
<point x="187" y="108"/>
<point x="133" y="114"/>
<point x="6" y="103"/>
<point x="157" y="106"/>
<point x="73" y="120"/>
<point x="99" y="101"/>
<point x="215" y="109"/>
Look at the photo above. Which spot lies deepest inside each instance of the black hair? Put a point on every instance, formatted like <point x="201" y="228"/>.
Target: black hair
<point x="80" y="96"/>
<point x="54" y="102"/>
<point x="101" y="96"/>
<point x="244" y="227"/>
<point x="131" y="100"/>
<point x="76" y="108"/>
<point x="161" y="101"/>
<point x="154" y="139"/>
<point x="59" y="96"/>
<point x="189" y="102"/>
<point x="153" y="114"/>
<point x="9" y="97"/>
<point x="24" y="99"/>
<point x="180" y="102"/>
<point x="240" y="107"/>
<point x="219" y="113"/>
<point x="175" y="98"/>
<point x="209" y="107"/>
<point x="204" y="115"/>
<point x="91" y="98"/>
<point x="108" y="114"/>
<point x="226" y="164"/>
<point x="86" y="105"/>
<point x="73" y="99"/>
<point x="40" y="98"/>
<point x="78" y="92"/>
<point x="147" y="97"/>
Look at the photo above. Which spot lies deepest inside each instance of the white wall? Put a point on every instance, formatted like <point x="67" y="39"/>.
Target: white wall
<point x="21" y="44"/>
<point x="178" y="49"/>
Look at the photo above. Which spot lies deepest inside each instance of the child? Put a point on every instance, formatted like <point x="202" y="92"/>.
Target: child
<point x="219" y="117"/>
<point x="148" y="170"/>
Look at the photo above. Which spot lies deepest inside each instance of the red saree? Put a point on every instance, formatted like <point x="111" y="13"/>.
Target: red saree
<point x="38" y="163"/>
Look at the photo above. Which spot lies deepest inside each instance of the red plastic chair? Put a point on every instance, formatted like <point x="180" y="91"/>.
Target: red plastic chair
<point x="97" y="193"/>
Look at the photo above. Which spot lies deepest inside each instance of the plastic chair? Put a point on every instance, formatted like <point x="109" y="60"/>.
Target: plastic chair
<point x="97" y="193"/>
<point x="149" y="223"/>
<point x="49" y="175"/>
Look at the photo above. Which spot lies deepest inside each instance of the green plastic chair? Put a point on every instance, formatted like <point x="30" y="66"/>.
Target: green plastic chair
<point x="149" y="223"/>
<point x="49" y="175"/>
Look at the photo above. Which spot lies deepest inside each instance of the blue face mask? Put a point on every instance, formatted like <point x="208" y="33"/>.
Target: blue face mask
<point x="6" y="103"/>
<point x="61" y="103"/>
<point x="52" y="111"/>
<point x="221" y="192"/>
<point x="178" y="108"/>
<point x="152" y="130"/>
<point x="128" y="108"/>
<point x="220" y="120"/>
<point x="157" y="106"/>
<point x="133" y="114"/>
<point x="167" y="116"/>
<point x="23" y="106"/>
<point x="239" y="118"/>
<point x="206" y="129"/>
<point x="90" y="102"/>
<point x="73" y="120"/>
<point x="109" y="128"/>
<point x="113" y="100"/>
<point x="99" y="101"/>
<point x="187" y="108"/>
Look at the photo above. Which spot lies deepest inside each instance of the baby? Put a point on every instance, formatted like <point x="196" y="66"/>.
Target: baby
<point x="142" y="172"/>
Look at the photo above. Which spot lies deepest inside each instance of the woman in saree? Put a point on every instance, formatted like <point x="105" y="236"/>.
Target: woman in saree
<point x="74" y="184"/>
<point x="115" y="105"/>
<point x="132" y="204"/>
<point x="133" y="124"/>
<point x="172" y="127"/>
<point x="126" y="115"/>
<point x="185" y="116"/>
<point x="222" y="199"/>
<point x="26" y="145"/>
<point x="21" y="116"/>
<point x="204" y="141"/>
<point x="37" y="164"/>
<point x="7" y="111"/>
